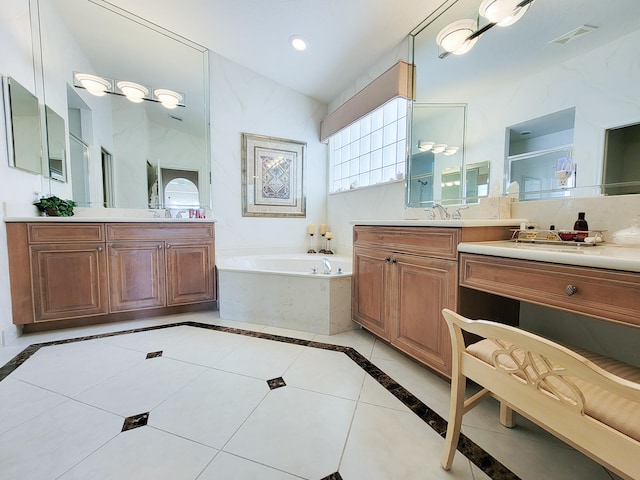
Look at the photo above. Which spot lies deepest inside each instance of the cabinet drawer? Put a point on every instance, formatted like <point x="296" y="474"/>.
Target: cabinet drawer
<point x="159" y="231"/>
<point x="606" y="294"/>
<point x="65" y="232"/>
<point x="429" y="241"/>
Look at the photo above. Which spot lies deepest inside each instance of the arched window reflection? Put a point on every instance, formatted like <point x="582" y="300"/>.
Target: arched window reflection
<point x="181" y="192"/>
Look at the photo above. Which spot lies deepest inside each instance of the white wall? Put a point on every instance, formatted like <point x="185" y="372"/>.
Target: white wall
<point x="244" y="101"/>
<point x="15" y="186"/>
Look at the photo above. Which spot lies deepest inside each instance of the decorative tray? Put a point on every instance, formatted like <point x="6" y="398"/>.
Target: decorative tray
<point x="561" y="237"/>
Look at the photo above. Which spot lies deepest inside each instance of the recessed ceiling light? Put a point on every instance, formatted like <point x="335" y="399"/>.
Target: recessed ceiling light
<point x="298" y="43"/>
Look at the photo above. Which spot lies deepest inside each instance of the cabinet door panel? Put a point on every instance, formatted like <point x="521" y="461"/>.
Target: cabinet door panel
<point x="425" y="287"/>
<point x="136" y="275"/>
<point x="370" y="301"/>
<point x="190" y="272"/>
<point x="69" y="281"/>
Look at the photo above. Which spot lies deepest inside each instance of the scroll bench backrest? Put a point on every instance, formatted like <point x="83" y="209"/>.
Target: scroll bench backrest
<point x="549" y="367"/>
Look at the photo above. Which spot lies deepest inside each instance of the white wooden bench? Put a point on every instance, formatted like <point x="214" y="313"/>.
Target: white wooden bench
<point x="588" y="400"/>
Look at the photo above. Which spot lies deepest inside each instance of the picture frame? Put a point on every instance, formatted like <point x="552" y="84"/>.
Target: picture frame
<point x="273" y="177"/>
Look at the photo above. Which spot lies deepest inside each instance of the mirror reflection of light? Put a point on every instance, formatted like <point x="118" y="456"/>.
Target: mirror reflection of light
<point x="502" y="12"/>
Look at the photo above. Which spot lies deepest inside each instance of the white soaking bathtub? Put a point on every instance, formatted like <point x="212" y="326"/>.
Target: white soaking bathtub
<point x="283" y="291"/>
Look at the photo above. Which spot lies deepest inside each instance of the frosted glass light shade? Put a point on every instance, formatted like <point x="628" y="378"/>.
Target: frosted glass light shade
<point x="133" y="91"/>
<point x="502" y="12"/>
<point x="168" y="98"/>
<point x="450" y="150"/>
<point x="439" y="147"/>
<point x="453" y="37"/>
<point x="425" y="146"/>
<point x="94" y="84"/>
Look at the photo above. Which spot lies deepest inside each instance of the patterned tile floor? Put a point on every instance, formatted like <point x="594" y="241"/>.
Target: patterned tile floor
<point x="196" y="397"/>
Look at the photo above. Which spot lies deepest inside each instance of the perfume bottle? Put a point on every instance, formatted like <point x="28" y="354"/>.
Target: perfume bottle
<point x="581" y="224"/>
<point x="581" y="227"/>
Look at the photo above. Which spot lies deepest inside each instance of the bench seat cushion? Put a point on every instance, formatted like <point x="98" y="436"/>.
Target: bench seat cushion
<point x="619" y="413"/>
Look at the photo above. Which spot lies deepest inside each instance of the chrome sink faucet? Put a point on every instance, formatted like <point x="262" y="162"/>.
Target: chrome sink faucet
<point x="444" y="213"/>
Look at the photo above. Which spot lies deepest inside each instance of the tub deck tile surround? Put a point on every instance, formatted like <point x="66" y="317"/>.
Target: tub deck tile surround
<point x="345" y="467"/>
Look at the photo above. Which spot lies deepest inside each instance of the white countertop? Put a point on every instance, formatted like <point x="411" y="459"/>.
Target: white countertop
<point x="480" y="222"/>
<point x="610" y="256"/>
<point x="79" y="219"/>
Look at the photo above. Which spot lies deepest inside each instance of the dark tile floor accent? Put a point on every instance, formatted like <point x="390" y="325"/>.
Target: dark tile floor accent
<point x="276" y="383"/>
<point x="135" y="421"/>
<point x="154" y="354"/>
<point x="485" y="462"/>
<point x="333" y="476"/>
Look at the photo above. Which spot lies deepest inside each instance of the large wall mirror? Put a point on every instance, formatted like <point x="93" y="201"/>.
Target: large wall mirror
<point x="112" y="141"/>
<point x="518" y="83"/>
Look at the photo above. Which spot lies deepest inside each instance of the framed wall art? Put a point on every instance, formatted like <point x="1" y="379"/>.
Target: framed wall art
<point x="272" y="177"/>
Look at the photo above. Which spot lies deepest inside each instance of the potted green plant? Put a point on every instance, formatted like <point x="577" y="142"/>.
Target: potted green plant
<point x="56" y="207"/>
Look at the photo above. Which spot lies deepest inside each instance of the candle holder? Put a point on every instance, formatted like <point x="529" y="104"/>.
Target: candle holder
<point x="311" y="249"/>
<point x="323" y="242"/>
<point x="328" y="251"/>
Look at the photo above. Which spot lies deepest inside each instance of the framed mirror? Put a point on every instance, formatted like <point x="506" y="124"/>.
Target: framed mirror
<point x="115" y="136"/>
<point x="574" y="54"/>
<point x="23" y="123"/>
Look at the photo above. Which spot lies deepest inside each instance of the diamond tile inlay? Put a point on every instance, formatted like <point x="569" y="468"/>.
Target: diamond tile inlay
<point x="276" y="383"/>
<point x="135" y="421"/>
<point x="333" y="476"/>
<point x="154" y="354"/>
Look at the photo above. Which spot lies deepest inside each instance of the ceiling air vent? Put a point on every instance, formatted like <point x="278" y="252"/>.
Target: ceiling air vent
<point x="573" y="34"/>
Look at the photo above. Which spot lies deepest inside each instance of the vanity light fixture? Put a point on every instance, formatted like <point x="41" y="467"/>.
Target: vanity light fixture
<point x="168" y="98"/>
<point x="298" y="42"/>
<point x="460" y="37"/>
<point x="434" y="147"/>
<point x="133" y="91"/>
<point x="94" y="84"/>
<point x="503" y="12"/>
<point x="457" y="37"/>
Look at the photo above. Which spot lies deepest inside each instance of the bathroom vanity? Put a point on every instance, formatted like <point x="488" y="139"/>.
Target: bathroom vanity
<point x="598" y="281"/>
<point x="405" y="273"/>
<point x="75" y="269"/>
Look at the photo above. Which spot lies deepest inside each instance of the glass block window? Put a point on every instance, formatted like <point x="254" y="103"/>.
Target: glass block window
<point x="370" y="151"/>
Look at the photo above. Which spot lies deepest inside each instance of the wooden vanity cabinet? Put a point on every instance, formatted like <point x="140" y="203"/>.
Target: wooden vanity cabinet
<point x="402" y="279"/>
<point x="190" y="272"/>
<point x="177" y="270"/>
<point x="68" y="279"/>
<point x="61" y="271"/>
<point x="610" y="295"/>
<point x="136" y="275"/>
